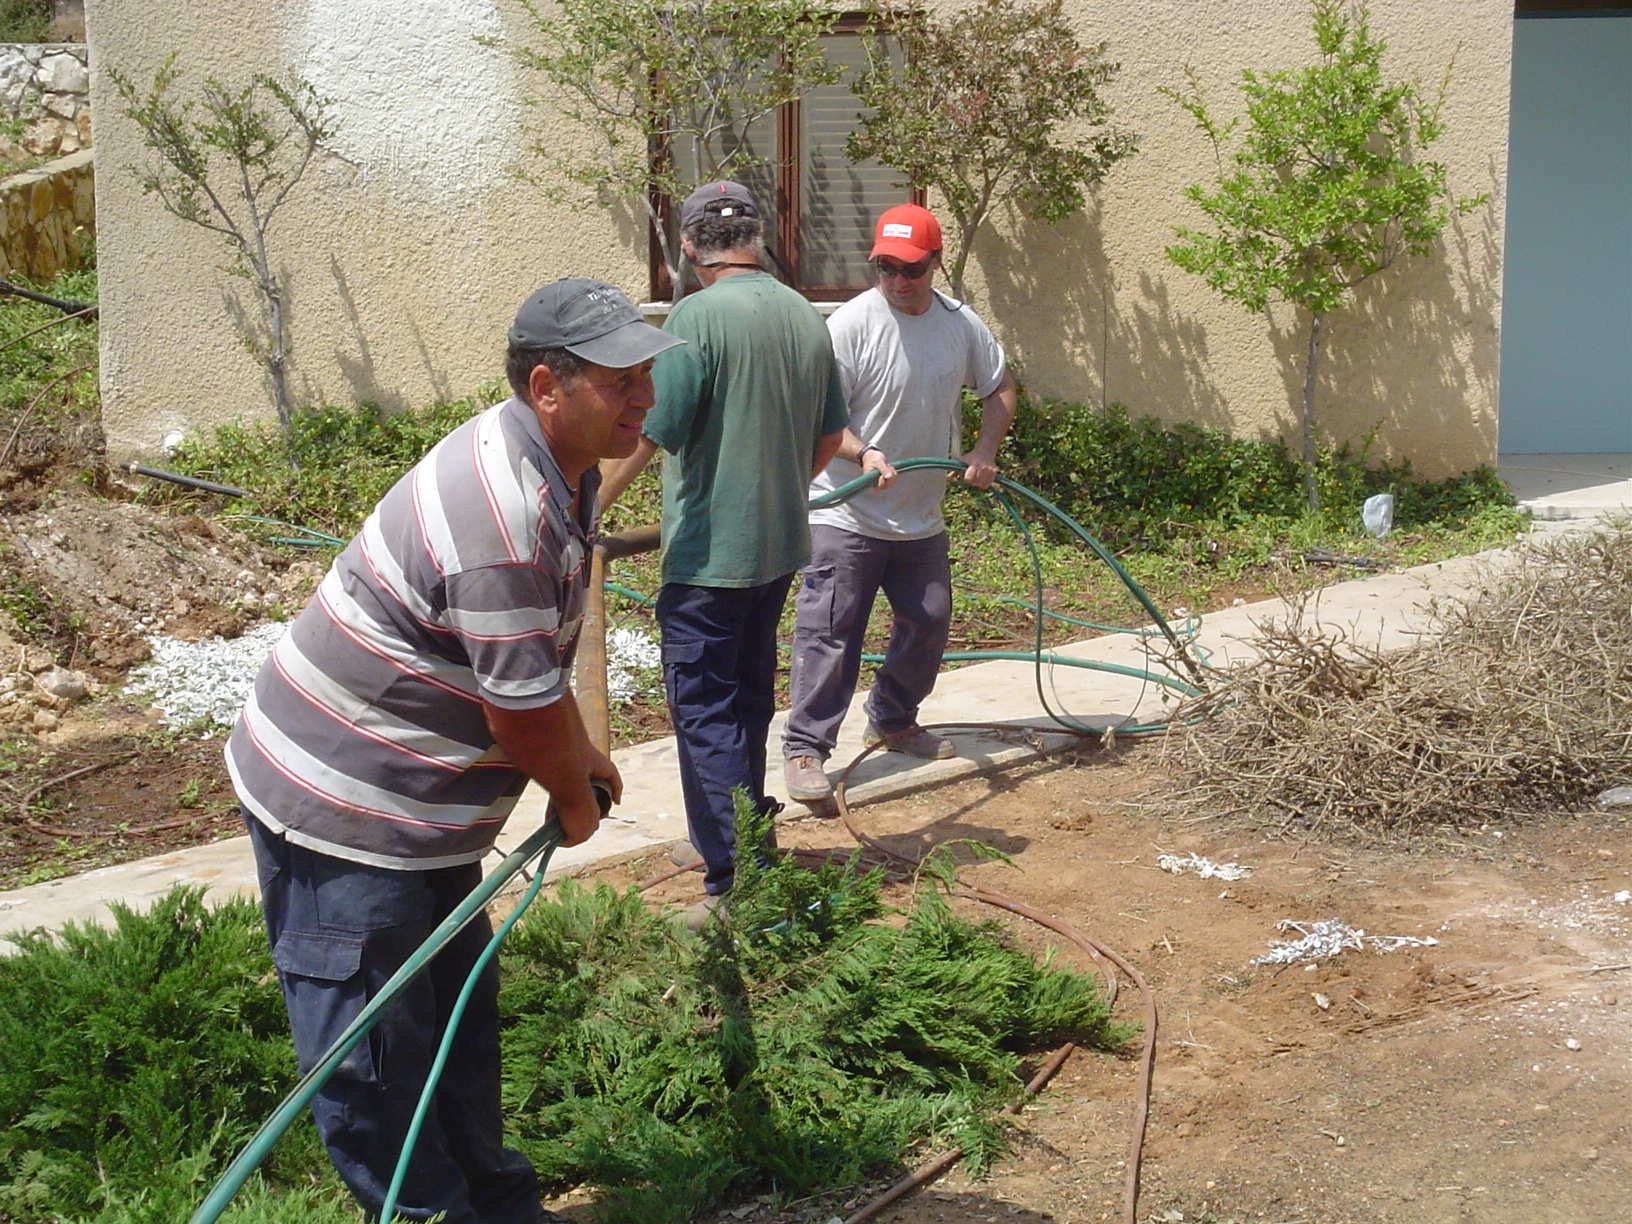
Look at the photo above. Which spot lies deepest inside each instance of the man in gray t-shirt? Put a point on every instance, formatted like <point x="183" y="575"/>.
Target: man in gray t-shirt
<point x="905" y="354"/>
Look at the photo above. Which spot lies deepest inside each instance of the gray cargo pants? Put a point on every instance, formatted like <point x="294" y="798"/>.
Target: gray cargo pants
<point x="845" y="574"/>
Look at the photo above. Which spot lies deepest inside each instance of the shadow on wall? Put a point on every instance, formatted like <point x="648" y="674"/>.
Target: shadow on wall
<point x="369" y="371"/>
<point x="1413" y="356"/>
<point x="248" y="321"/>
<point x="1088" y="346"/>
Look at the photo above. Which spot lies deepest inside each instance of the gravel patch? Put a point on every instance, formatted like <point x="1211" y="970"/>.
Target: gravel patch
<point x="203" y="681"/>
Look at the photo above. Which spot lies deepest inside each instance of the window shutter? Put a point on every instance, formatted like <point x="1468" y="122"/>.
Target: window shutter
<point x="838" y="200"/>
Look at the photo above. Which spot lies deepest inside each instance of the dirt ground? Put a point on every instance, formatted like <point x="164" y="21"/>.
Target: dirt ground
<point x="1480" y="1080"/>
<point x="1483" y="1079"/>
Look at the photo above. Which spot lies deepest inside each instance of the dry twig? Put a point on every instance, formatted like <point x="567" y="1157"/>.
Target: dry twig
<point x="1516" y="704"/>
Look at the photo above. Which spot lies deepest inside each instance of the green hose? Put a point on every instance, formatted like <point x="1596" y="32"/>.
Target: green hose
<point x="1004" y="484"/>
<point x="428" y="1093"/>
<point x="544" y="841"/>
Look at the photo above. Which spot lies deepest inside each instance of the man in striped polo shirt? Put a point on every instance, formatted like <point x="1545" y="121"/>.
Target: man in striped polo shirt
<point x="395" y="725"/>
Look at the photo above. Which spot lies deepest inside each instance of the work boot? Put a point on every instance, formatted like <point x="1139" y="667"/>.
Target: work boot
<point x="807" y="781"/>
<point x="695" y="917"/>
<point x="685" y="856"/>
<point x="913" y="741"/>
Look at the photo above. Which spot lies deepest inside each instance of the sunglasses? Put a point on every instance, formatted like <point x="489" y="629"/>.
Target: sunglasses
<point x="910" y="271"/>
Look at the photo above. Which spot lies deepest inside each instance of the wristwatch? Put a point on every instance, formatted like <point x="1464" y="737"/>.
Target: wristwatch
<point x="862" y="453"/>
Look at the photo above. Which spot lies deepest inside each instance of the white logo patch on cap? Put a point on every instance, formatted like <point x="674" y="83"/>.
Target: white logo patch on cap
<point x="894" y="229"/>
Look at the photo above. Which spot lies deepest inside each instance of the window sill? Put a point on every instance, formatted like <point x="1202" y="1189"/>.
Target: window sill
<point x="660" y="310"/>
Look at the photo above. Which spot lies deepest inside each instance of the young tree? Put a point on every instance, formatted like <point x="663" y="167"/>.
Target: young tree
<point x="1327" y="187"/>
<point x="227" y="162"/>
<point x="977" y="105"/>
<point x="669" y="88"/>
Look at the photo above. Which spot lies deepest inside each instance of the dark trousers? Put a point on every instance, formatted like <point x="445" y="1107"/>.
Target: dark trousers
<point x="338" y="931"/>
<point x="719" y="670"/>
<point x="845" y="574"/>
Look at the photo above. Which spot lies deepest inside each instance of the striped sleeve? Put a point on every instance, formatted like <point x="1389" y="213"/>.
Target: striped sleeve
<point x="509" y="620"/>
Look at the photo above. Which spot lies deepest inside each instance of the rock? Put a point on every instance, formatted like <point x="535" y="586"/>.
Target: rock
<point x="62" y="684"/>
<point x="63" y="74"/>
<point x="1617" y="796"/>
<point x="15" y="72"/>
<point x="36" y="660"/>
<point x="64" y="106"/>
<point x="44" y="720"/>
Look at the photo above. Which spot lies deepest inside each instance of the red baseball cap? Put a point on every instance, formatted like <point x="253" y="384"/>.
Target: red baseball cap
<point x="906" y="232"/>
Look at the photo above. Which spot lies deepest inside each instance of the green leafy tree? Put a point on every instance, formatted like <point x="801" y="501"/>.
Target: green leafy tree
<point x="993" y="103"/>
<point x="668" y="90"/>
<point x="227" y="162"/>
<point x="1328" y="185"/>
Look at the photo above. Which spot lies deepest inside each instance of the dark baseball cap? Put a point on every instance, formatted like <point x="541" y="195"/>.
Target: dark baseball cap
<point x="589" y="319"/>
<point x="717" y="199"/>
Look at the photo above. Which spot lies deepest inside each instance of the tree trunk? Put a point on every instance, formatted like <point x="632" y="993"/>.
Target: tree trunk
<point x="1310" y="487"/>
<point x="954" y="274"/>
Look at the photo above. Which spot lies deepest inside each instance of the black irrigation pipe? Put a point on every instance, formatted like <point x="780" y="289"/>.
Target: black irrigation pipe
<point x="67" y="307"/>
<point x="192" y="482"/>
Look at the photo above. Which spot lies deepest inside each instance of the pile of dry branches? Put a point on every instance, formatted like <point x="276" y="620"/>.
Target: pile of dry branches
<point x="1518" y="701"/>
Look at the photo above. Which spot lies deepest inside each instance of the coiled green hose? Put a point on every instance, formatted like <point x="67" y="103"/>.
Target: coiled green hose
<point x="544" y="841"/>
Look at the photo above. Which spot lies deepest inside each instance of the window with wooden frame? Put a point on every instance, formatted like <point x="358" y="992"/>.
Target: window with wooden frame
<point x="817" y="206"/>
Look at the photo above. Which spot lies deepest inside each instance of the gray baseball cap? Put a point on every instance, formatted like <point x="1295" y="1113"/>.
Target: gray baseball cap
<point x="717" y="199"/>
<point x="589" y="319"/>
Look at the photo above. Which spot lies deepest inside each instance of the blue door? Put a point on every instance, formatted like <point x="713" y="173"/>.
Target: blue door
<point x="1566" y="362"/>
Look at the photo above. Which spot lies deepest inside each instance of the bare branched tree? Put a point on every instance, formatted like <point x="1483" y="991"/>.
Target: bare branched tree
<point x="228" y="162"/>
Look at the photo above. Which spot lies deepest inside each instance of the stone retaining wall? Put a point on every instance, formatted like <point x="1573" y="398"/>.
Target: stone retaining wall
<point x="48" y="218"/>
<point x="45" y="93"/>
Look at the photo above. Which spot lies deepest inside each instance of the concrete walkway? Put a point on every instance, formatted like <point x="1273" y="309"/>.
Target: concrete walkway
<point x="1382" y="611"/>
<point x="1556" y="487"/>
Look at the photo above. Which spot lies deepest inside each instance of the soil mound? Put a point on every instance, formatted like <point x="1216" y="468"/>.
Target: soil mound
<point x="92" y="579"/>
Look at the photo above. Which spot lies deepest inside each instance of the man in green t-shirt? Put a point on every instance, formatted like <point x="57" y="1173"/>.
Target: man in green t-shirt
<point x="746" y="418"/>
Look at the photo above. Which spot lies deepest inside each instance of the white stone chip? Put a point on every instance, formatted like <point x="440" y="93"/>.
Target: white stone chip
<point x="1327" y="938"/>
<point x="1205" y="868"/>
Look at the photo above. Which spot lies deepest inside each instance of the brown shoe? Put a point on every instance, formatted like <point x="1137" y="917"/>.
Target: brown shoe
<point x="913" y="741"/>
<point x="695" y="917"/>
<point x="807" y="782"/>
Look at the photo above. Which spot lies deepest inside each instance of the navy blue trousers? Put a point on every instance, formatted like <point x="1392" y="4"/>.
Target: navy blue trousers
<point x="338" y="931"/>
<point x="719" y="670"/>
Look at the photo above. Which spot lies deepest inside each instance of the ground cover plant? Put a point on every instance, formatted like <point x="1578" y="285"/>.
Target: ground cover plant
<point x="135" y="1060"/>
<point x="1514" y="704"/>
<point x="24" y="21"/>
<point x="345" y="459"/>
<point x="49" y="410"/>
<point x="810" y="1038"/>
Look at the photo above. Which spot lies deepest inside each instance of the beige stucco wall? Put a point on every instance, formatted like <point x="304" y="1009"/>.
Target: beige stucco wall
<point x="1093" y="309"/>
<point x="405" y="260"/>
<point x="404" y="257"/>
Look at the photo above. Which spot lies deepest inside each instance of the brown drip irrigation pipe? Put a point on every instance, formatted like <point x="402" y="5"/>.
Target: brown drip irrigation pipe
<point x="1105" y="959"/>
<point x="1096" y="951"/>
